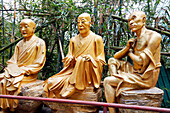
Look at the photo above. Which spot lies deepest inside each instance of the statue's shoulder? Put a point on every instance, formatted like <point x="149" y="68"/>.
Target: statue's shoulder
<point x="39" y="40"/>
<point x="74" y="38"/>
<point x="97" y="37"/>
<point x="154" y="38"/>
<point x="154" y="35"/>
<point x="20" y="42"/>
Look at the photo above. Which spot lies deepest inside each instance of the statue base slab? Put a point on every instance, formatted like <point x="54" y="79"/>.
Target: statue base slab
<point x="146" y="97"/>
<point x="89" y="94"/>
<point x="34" y="89"/>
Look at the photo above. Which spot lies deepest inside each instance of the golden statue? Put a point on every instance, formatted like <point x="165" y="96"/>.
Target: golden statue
<point x="23" y="67"/>
<point x="145" y="54"/>
<point x="83" y="64"/>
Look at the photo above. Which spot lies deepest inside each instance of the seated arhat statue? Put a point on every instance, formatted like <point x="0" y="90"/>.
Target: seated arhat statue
<point x="83" y="64"/>
<point x="23" y="67"/>
<point x="145" y="54"/>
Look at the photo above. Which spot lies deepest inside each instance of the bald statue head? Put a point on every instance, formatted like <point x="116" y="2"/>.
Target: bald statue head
<point x="27" y="27"/>
<point x="85" y="15"/>
<point x="84" y="24"/>
<point x="137" y="20"/>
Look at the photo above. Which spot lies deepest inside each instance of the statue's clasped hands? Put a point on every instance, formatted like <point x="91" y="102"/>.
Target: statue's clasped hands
<point x="130" y="42"/>
<point x="87" y="57"/>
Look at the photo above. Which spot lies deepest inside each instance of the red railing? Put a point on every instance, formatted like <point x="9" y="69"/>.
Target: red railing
<point x="105" y="105"/>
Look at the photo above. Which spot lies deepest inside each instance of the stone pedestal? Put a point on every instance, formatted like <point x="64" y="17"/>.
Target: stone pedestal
<point x="34" y="89"/>
<point x="146" y="97"/>
<point x="89" y="94"/>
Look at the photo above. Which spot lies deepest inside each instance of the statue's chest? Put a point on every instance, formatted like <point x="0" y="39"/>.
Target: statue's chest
<point x="140" y="44"/>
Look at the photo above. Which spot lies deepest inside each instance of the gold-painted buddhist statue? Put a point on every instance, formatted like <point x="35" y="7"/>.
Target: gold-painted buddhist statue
<point x="145" y="54"/>
<point x="23" y="67"/>
<point x="83" y="64"/>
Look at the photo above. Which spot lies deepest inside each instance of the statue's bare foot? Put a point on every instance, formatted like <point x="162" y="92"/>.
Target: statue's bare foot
<point x="68" y="91"/>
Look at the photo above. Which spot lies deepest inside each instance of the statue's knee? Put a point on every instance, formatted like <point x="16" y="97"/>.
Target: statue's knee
<point x="114" y="63"/>
<point x="49" y="82"/>
<point x="106" y="81"/>
<point x="111" y="60"/>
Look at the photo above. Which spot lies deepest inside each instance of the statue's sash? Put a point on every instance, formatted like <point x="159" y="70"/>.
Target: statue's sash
<point x="79" y="51"/>
<point x="28" y="48"/>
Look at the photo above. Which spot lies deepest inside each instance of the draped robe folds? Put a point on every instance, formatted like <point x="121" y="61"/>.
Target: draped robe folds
<point x="76" y="71"/>
<point x="142" y="78"/>
<point x="23" y="67"/>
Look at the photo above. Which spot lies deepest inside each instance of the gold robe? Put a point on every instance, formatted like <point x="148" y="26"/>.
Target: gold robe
<point x="76" y="71"/>
<point x="138" y="77"/>
<point x="23" y="67"/>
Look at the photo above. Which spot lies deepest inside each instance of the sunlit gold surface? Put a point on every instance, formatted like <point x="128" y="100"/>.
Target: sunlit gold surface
<point x="23" y="67"/>
<point x="83" y="64"/>
<point x="145" y="53"/>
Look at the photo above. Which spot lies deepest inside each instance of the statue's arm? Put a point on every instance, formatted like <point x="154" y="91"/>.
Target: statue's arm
<point x="154" y="42"/>
<point x="12" y="64"/>
<point x="100" y="50"/>
<point x="122" y="53"/>
<point x="135" y="58"/>
<point x="13" y="59"/>
<point x="69" y="57"/>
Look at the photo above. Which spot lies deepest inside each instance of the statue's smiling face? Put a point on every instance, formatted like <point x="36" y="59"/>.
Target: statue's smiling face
<point x="136" y="21"/>
<point x="83" y="24"/>
<point x="27" y="29"/>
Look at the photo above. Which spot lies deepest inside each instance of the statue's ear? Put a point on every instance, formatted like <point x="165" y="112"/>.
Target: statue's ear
<point x="144" y="19"/>
<point x="90" y="23"/>
<point x="33" y="29"/>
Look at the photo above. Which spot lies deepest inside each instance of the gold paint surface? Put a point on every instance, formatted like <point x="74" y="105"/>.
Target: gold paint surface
<point x="145" y="54"/>
<point x="23" y="67"/>
<point x="83" y="64"/>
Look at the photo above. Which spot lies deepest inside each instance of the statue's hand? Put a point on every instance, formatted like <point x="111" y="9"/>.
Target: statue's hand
<point x="68" y="60"/>
<point x="87" y="57"/>
<point x="130" y="42"/>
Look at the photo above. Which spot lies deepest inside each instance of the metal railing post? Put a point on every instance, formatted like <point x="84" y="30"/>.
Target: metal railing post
<point x="104" y="109"/>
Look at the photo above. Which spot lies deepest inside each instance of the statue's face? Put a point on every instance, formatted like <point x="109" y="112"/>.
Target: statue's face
<point x="136" y="21"/>
<point x="83" y="24"/>
<point x="27" y="29"/>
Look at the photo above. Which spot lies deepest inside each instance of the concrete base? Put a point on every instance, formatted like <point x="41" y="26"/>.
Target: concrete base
<point x="146" y="97"/>
<point x="89" y="94"/>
